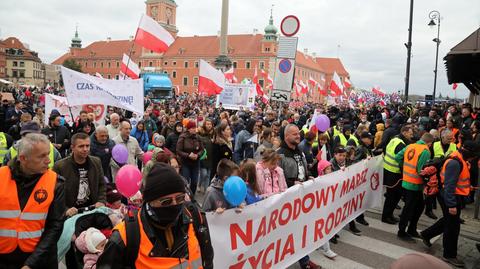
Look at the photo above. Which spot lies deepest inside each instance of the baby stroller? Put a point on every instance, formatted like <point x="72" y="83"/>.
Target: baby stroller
<point x="86" y="218"/>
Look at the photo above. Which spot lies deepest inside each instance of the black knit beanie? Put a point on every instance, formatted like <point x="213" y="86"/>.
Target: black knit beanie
<point x="160" y="181"/>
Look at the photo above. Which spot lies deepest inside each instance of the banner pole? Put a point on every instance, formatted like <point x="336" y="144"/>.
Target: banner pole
<point x="131" y="50"/>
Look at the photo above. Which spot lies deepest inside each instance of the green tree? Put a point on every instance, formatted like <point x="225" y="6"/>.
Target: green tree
<point x="72" y="64"/>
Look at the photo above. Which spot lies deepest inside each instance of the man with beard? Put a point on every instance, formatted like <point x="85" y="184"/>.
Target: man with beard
<point x="166" y="232"/>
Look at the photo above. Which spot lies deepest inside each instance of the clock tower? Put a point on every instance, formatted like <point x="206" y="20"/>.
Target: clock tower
<point x="164" y="12"/>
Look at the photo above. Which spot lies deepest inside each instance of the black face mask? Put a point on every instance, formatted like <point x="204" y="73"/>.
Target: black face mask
<point x="165" y="215"/>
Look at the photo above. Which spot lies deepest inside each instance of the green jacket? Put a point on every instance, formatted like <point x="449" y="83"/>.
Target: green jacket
<point x="422" y="160"/>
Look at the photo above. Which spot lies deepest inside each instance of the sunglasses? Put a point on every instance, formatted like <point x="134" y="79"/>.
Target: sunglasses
<point x="179" y="199"/>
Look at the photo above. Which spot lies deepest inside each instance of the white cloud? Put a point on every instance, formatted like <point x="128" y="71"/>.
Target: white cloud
<point x="370" y="33"/>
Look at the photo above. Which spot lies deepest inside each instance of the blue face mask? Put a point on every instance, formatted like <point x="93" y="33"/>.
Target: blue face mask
<point x="62" y="121"/>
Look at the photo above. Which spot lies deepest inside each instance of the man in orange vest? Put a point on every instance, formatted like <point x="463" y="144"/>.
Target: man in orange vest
<point x="413" y="157"/>
<point x="455" y="180"/>
<point x="32" y="207"/>
<point x="166" y="232"/>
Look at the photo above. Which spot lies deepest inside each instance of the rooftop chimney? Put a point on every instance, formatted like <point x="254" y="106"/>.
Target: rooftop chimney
<point x="314" y="55"/>
<point x="305" y="51"/>
<point x="255" y="31"/>
<point x="109" y="39"/>
<point x="130" y="38"/>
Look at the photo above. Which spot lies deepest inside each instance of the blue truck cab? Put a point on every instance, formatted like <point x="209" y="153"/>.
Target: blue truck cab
<point x="157" y="86"/>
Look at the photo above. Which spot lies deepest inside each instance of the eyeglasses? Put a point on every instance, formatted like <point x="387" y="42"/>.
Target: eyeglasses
<point x="179" y="199"/>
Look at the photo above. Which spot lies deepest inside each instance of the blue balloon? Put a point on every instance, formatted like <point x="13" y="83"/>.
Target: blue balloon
<point x="235" y="190"/>
<point x="62" y="121"/>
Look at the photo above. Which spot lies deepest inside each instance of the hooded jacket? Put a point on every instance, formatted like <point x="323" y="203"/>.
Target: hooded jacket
<point x="378" y="134"/>
<point x="104" y="152"/>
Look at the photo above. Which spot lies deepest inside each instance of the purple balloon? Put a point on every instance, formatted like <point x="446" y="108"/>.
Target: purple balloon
<point x="120" y="154"/>
<point x="322" y="122"/>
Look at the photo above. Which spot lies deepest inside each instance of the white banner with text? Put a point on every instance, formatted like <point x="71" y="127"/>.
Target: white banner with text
<point x="278" y="231"/>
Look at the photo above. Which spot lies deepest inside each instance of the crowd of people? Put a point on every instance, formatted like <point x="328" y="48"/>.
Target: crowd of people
<point x="56" y="173"/>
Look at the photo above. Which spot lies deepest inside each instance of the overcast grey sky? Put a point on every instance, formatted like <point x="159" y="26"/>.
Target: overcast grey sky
<point x="368" y="35"/>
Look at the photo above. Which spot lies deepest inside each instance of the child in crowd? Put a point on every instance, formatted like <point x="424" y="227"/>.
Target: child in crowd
<point x="91" y="243"/>
<point x="270" y="176"/>
<point x="248" y="172"/>
<point x="325" y="167"/>
<point x="214" y="199"/>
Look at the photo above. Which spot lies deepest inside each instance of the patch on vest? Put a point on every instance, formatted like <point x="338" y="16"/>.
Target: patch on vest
<point x="410" y="154"/>
<point x="40" y="196"/>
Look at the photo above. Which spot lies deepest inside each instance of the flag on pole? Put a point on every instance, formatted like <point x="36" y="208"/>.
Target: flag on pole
<point x="230" y="76"/>
<point x="257" y="85"/>
<point x="297" y="88"/>
<point x="346" y="83"/>
<point x="377" y="91"/>
<point x="336" y="85"/>
<point x="152" y="35"/>
<point x="454" y="86"/>
<point x="211" y="81"/>
<point x="129" y="67"/>
<point x="312" y="81"/>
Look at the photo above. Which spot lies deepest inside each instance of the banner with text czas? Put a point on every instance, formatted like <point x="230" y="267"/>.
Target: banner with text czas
<point x="278" y="231"/>
<point x="83" y="89"/>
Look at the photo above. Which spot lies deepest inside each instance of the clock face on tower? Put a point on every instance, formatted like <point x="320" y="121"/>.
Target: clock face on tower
<point x="169" y="12"/>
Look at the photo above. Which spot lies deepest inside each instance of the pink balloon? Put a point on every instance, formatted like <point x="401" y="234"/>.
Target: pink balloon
<point x="147" y="156"/>
<point x="128" y="180"/>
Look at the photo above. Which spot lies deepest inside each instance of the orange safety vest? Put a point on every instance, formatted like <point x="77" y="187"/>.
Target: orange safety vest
<point x="145" y="261"/>
<point x="410" y="160"/>
<point x="23" y="228"/>
<point x="463" y="183"/>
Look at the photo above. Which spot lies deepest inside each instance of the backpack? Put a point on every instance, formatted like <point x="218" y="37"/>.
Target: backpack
<point x="199" y="224"/>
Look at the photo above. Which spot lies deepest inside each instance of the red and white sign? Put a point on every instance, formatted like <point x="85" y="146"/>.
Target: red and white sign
<point x="211" y="81"/>
<point x="129" y="67"/>
<point x="290" y="25"/>
<point x="278" y="231"/>
<point x="60" y="103"/>
<point x="152" y="35"/>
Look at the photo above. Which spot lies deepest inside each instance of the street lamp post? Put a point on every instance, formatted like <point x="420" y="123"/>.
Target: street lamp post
<point x="435" y="16"/>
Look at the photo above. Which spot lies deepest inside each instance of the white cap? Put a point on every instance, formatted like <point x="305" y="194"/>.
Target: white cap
<point x="93" y="238"/>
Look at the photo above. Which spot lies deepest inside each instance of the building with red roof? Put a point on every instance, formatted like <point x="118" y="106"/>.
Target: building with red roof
<point x="3" y="60"/>
<point x="248" y="52"/>
<point x="22" y="64"/>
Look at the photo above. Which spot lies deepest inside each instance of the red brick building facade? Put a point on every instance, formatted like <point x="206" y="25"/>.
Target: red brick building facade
<point x="3" y="60"/>
<point x="246" y="51"/>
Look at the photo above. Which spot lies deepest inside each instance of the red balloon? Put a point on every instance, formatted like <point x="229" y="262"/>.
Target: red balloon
<point x="147" y="156"/>
<point x="128" y="180"/>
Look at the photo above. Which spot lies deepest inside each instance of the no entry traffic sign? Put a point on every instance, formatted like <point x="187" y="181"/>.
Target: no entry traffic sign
<point x="285" y="66"/>
<point x="290" y="25"/>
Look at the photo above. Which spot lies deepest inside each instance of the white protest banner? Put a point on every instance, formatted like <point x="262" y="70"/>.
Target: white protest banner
<point x="60" y="103"/>
<point x="83" y="89"/>
<point x="278" y="231"/>
<point x="236" y="96"/>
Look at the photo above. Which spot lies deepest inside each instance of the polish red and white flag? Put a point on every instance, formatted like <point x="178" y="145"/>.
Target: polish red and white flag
<point x="297" y="88"/>
<point x="211" y="80"/>
<point x="346" y="83"/>
<point x="129" y="67"/>
<point x="378" y="91"/>
<point x="312" y="81"/>
<point x="304" y="87"/>
<point x="152" y="35"/>
<point x="257" y="85"/>
<point x="336" y="86"/>
<point x="230" y="76"/>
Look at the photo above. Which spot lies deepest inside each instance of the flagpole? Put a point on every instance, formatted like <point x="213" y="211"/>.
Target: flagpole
<point x="131" y="50"/>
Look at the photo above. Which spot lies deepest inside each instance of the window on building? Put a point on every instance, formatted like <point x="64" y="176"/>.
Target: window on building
<point x="14" y="73"/>
<point x="117" y="76"/>
<point x="101" y="64"/>
<point x="195" y="81"/>
<point x="185" y="64"/>
<point x="22" y="64"/>
<point x="234" y="65"/>
<point x="174" y="74"/>
<point x="118" y="64"/>
<point x="174" y="63"/>
<point x="108" y="76"/>
<point x="139" y="64"/>
<point x="196" y="64"/>
<point x="165" y="63"/>
<point x="185" y="81"/>
<point x="267" y="49"/>
<point x="165" y="72"/>
<point x="86" y="64"/>
<point x="109" y="65"/>
<point x="94" y="64"/>
<point x="261" y="82"/>
<point x="262" y="65"/>
<point x="22" y="73"/>
<point x="247" y="65"/>
<point x="150" y="64"/>
<point x="15" y="63"/>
